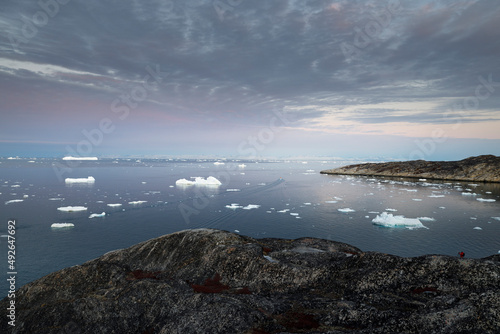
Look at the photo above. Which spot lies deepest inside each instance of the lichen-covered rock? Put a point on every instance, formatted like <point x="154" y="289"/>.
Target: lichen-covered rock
<point x="212" y="281"/>
<point x="484" y="168"/>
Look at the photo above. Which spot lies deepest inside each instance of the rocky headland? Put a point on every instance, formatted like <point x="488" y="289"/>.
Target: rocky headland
<point x="212" y="281"/>
<point x="484" y="168"/>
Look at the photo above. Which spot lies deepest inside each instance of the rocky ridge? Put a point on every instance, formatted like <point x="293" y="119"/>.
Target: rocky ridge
<point x="212" y="281"/>
<point x="484" y="168"/>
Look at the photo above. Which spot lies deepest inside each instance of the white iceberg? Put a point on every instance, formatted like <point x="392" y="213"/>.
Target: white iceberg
<point x="136" y="202"/>
<point x="72" y="208"/>
<point x="234" y="206"/>
<point x="56" y="199"/>
<point x="331" y="202"/>
<point x="391" y="210"/>
<point x="14" y="201"/>
<point x="468" y="194"/>
<point x="283" y="211"/>
<point x="294" y="214"/>
<point x="486" y="200"/>
<point x="114" y="205"/>
<point x="80" y="158"/>
<point x="388" y="220"/>
<point x="233" y="189"/>
<point x="346" y="210"/>
<point x="199" y="181"/>
<point x="62" y="225"/>
<point x="251" y="206"/>
<point x="97" y="215"/>
<point x="89" y="179"/>
<point x="496" y="218"/>
<point x="435" y="196"/>
<point x="477" y="228"/>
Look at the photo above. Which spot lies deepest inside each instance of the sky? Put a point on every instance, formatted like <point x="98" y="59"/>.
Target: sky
<point x="250" y="79"/>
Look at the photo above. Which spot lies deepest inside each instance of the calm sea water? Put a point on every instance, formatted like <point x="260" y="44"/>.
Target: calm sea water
<point x="270" y="199"/>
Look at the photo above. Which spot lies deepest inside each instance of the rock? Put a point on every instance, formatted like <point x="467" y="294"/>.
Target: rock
<point x="212" y="281"/>
<point x="484" y="168"/>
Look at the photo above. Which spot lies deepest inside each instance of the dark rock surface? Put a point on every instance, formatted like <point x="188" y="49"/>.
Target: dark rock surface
<point x="484" y="168"/>
<point x="211" y="281"/>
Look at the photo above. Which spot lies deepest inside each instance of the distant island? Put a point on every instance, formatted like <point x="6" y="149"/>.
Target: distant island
<point x="484" y="168"/>
<point x="213" y="281"/>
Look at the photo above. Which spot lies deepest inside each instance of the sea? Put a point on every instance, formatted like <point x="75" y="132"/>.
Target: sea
<point x="133" y="200"/>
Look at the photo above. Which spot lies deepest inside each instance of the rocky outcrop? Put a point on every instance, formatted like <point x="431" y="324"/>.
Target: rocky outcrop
<point x="211" y="281"/>
<point x="484" y="168"/>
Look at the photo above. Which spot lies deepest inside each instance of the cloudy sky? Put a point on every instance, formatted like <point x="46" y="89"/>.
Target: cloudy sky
<point x="240" y="78"/>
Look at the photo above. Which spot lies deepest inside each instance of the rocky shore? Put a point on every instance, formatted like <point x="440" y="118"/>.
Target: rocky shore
<point x="212" y="281"/>
<point x="484" y="168"/>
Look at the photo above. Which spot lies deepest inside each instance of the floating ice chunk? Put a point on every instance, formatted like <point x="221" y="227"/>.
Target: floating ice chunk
<point x="469" y="194"/>
<point x="388" y="220"/>
<point x="14" y="201"/>
<point x="251" y="206"/>
<point x="496" y="218"/>
<point x="234" y="206"/>
<point x="473" y="184"/>
<point x="80" y="158"/>
<point x="136" y="202"/>
<point x="114" y="205"/>
<point x="488" y="192"/>
<point x="97" y="215"/>
<point x="307" y="204"/>
<point x="477" y="228"/>
<point x="346" y="210"/>
<point x="283" y="211"/>
<point x="294" y="214"/>
<point x="435" y="196"/>
<point x="269" y="212"/>
<point x="332" y="202"/>
<point x="391" y="210"/>
<point x="233" y="189"/>
<point x="237" y="231"/>
<point x="428" y="219"/>
<point x="199" y="181"/>
<point x="62" y="225"/>
<point x="367" y="216"/>
<point x="417" y="199"/>
<point x="473" y="218"/>
<point x="442" y="207"/>
<point x="217" y="163"/>
<point x="242" y="165"/>
<point x="72" y="208"/>
<point x="422" y="180"/>
<point x="486" y="200"/>
<point x="15" y="186"/>
<point x="89" y="179"/>
<point x="261" y="184"/>
<point x="143" y="182"/>
<point x="411" y="190"/>
<point x="56" y="199"/>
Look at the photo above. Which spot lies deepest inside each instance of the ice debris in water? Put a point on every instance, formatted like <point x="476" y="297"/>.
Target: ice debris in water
<point x="61" y="225"/>
<point x="199" y="181"/>
<point x="346" y="210"/>
<point x="486" y="200"/>
<point x="72" y="208"/>
<point x="392" y="210"/>
<point x="496" y="218"/>
<point x="14" y="201"/>
<point x="388" y="220"/>
<point x="114" y="205"/>
<point x="429" y="219"/>
<point x="251" y="206"/>
<point x="89" y="179"/>
<point x="136" y="202"/>
<point x="477" y="228"/>
<point x="469" y="194"/>
<point x="97" y="215"/>
<point x="234" y="206"/>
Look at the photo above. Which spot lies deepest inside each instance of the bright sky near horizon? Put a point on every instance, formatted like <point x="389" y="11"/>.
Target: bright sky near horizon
<point x="249" y="79"/>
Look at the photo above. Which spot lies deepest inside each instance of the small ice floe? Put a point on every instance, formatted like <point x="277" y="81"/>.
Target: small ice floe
<point x="242" y="165"/>
<point x="496" y="218"/>
<point x="422" y="180"/>
<point x="14" y="201"/>
<point x="237" y="231"/>
<point x="468" y="194"/>
<point x="435" y="196"/>
<point x="80" y="158"/>
<point x="473" y="218"/>
<point x="217" y="163"/>
<point x="97" y="215"/>
<point x="331" y="202"/>
<point x="56" y="199"/>
<point x="488" y="192"/>
<point x="62" y="225"/>
<point x="283" y="211"/>
<point x="442" y="207"/>
<point x="417" y="199"/>
<point x="367" y="216"/>
<point x="346" y="210"/>
<point x="477" y="228"/>
<point x="251" y="206"/>
<point x="137" y="202"/>
<point x="486" y="200"/>
<point x="261" y="184"/>
<point x="427" y="219"/>
<point x="473" y="184"/>
<point x="89" y="179"/>
<point x="411" y="190"/>
<point x="114" y="205"/>
<point x="294" y="214"/>
<point x="307" y="203"/>
<point x="15" y="186"/>
<point x="72" y="208"/>
<point x="199" y="181"/>
<point x="26" y="196"/>
<point x="143" y="182"/>
<point x="388" y="220"/>
<point x="269" y="212"/>
<point x="233" y="189"/>
<point x="391" y="210"/>
<point x="234" y="206"/>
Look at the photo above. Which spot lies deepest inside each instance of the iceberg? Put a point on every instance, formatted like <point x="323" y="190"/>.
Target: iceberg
<point x="97" y="215"/>
<point x="136" y="202"/>
<point x="388" y="220"/>
<point x="56" y="199"/>
<point x="89" y="179"/>
<point x="251" y="206"/>
<point x="469" y="194"/>
<point x="477" y="228"/>
<point x="234" y="206"/>
<point x="199" y="181"/>
<point x="283" y="211"/>
<point x="72" y="208"/>
<point x="496" y="218"/>
<point x="331" y="202"/>
<point x="346" y="210"/>
<point x="114" y="205"/>
<point x="486" y="200"/>
<point x="392" y="210"/>
<point x="293" y="214"/>
<point x="14" y="201"/>
<point x="62" y="225"/>
<point x="80" y="158"/>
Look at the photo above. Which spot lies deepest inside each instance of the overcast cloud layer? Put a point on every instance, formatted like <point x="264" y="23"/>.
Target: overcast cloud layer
<point x="410" y="79"/>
